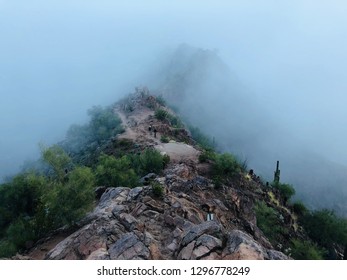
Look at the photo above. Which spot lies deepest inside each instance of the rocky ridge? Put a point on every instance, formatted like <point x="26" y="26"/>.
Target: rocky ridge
<point x="192" y="220"/>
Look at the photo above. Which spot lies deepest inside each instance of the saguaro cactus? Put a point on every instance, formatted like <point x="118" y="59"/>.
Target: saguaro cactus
<point x="277" y="173"/>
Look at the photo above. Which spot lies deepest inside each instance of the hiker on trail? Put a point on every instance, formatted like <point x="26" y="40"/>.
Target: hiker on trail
<point x="155" y="133"/>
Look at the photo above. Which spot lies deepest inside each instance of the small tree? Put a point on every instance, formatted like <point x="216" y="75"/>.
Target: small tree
<point x="115" y="172"/>
<point x="225" y="166"/>
<point x="286" y="191"/>
<point x="67" y="203"/>
<point x="161" y="114"/>
<point x="306" y="250"/>
<point x="57" y="159"/>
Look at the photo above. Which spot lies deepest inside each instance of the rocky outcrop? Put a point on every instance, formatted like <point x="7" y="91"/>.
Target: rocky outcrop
<point x="133" y="224"/>
<point x="192" y="220"/>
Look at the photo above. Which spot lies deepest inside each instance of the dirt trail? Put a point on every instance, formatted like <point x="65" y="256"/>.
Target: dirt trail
<point x="136" y="129"/>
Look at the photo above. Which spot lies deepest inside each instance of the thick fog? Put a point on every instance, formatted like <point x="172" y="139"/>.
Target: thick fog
<point x="274" y="88"/>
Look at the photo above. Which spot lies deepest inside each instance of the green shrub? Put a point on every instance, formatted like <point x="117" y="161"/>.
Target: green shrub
<point x="67" y="203"/>
<point x="268" y="221"/>
<point x="20" y="231"/>
<point x="299" y="208"/>
<point x="104" y="123"/>
<point x="20" y="197"/>
<point x="225" y="166"/>
<point x="164" y="139"/>
<point x="57" y="159"/>
<point x="157" y="189"/>
<point x="115" y="172"/>
<point x="149" y="161"/>
<point x="325" y="228"/>
<point x="174" y="121"/>
<point x="306" y="250"/>
<point x="82" y="141"/>
<point x="7" y="249"/>
<point x="207" y="155"/>
<point x="286" y="191"/>
<point x="161" y="114"/>
<point x="166" y="160"/>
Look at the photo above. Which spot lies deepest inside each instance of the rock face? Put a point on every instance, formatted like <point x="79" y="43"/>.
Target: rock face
<point x="132" y="224"/>
<point x="192" y="220"/>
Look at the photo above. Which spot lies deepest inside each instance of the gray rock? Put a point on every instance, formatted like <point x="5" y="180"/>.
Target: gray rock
<point x="186" y="252"/>
<point x="134" y="193"/>
<point x="209" y="241"/>
<point x="210" y="227"/>
<point x="200" y="248"/>
<point x="277" y="255"/>
<point x="128" y="221"/>
<point x="99" y="254"/>
<point x="119" y="209"/>
<point x="128" y="247"/>
<point x="241" y="246"/>
<point x="119" y="194"/>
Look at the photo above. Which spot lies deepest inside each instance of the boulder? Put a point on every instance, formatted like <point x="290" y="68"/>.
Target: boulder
<point x="134" y="193"/>
<point x="129" y="247"/>
<point x="210" y="227"/>
<point x="241" y="246"/>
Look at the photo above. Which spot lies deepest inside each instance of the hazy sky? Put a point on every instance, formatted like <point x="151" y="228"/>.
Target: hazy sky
<point x="58" y="58"/>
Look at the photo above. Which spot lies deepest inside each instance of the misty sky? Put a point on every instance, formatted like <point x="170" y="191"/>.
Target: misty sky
<point x="58" y="58"/>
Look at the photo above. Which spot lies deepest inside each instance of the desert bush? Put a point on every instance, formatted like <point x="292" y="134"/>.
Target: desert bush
<point x="149" y="161"/>
<point x="225" y="166"/>
<point x="115" y="172"/>
<point x="67" y="202"/>
<point x="7" y="249"/>
<point x="206" y="155"/>
<point x="306" y="250"/>
<point x="164" y="139"/>
<point x="20" y="197"/>
<point x="160" y="114"/>
<point x="268" y="221"/>
<point x="299" y="208"/>
<point x="325" y="228"/>
<point x="157" y="189"/>
<point x="286" y="191"/>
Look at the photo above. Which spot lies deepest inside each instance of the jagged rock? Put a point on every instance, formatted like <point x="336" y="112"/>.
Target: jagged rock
<point x="186" y="252"/>
<point x="132" y="224"/>
<point x="151" y="214"/>
<point x="128" y="221"/>
<point x="134" y="193"/>
<point x="241" y="246"/>
<point x="117" y="209"/>
<point x="210" y="227"/>
<point x="182" y="170"/>
<point x="80" y="244"/>
<point x="117" y="195"/>
<point x="155" y="205"/>
<point x="277" y="255"/>
<point x="99" y="254"/>
<point x="200" y="248"/>
<point x="129" y="247"/>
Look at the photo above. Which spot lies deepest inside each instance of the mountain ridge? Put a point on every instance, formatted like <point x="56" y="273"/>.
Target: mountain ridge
<point x="135" y="224"/>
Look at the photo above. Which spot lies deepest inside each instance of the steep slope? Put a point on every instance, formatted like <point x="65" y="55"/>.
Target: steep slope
<point x="191" y="219"/>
